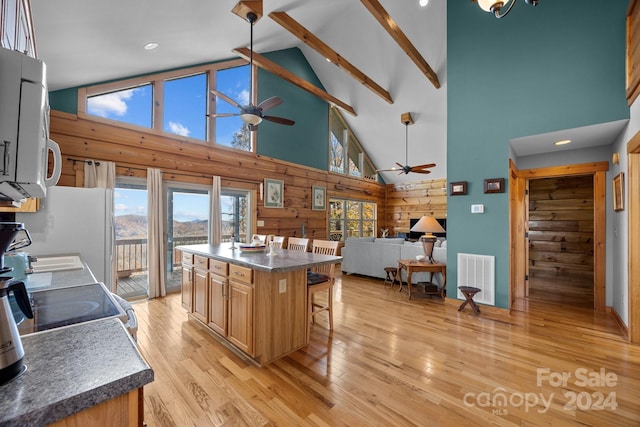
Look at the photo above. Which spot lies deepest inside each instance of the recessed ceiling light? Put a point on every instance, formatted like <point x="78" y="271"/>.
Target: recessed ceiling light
<point x="150" y="46"/>
<point x="563" y="142"/>
<point x="423" y="3"/>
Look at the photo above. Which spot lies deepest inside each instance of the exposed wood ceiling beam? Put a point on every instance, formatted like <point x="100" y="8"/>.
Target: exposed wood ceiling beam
<point x="277" y="70"/>
<point x="295" y="28"/>
<point x="243" y="7"/>
<point x="396" y="33"/>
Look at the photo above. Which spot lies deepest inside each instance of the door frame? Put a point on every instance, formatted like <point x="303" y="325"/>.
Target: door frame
<point x="633" y="167"/>
<point x="517" y="263"/>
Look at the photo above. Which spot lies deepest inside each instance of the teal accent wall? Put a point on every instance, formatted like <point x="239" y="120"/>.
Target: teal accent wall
<point x="556" y="66"/>
<point x="64" y="100"/>
<point x="306" y="142"/>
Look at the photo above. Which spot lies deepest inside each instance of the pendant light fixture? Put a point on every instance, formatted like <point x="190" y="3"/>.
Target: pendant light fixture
<point x="496" y="6"/>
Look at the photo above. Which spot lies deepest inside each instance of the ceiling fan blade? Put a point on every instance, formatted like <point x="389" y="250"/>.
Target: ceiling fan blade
<point x="226" y="98"/>
<point x="270" y="103"/>
<point x="280" y="120"/>
<point x="223" y="115"/>
<point x="387" y="170"/>
<point x="427" y="166"/>
<point x="400" y="165"/>
<point x="420" y="171"/>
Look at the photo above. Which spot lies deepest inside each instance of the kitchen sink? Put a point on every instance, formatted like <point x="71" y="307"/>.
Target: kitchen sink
<point x="57" y="263"/>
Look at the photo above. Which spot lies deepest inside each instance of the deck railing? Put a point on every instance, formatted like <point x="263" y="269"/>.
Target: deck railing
<point x="131" y="254"/>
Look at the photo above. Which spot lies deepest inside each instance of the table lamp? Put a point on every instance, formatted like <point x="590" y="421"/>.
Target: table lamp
<point x="428" y="225"/>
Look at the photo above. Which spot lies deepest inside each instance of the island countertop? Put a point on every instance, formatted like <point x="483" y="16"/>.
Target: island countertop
<point x="283" y="260"/>
<point x="70" y="369"/>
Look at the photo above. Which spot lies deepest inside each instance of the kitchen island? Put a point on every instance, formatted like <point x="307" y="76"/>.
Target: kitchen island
<point x="90" y="373"/>
<point x="254" y="301"/>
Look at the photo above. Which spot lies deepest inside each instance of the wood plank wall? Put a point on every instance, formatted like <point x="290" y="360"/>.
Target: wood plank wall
<point x="184" y="160"/>
<point x="561" y="227"/>
<point x="413" y="200"/>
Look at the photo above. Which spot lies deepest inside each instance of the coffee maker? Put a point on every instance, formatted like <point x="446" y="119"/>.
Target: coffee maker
<point x="11" y="351"/>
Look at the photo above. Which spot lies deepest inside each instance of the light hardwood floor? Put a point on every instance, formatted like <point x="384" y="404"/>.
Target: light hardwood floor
<point x="394" y="362"/>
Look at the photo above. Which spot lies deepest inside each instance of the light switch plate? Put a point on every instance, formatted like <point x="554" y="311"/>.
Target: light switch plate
<point x="260" y="223"/>
<point x="282" y="285"/>
<point x="477" y="208"/>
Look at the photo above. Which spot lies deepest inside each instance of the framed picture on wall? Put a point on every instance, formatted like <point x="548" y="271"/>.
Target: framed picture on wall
<point x="494" y="185"/>
<point x="273" y="193"/>
<point x="618" y="192"/>
<point x="319" y="195"/>
<point x="458" y="188"/>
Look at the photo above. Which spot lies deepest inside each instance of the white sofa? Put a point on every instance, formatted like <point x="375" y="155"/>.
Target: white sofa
<point x="369" y="256"/>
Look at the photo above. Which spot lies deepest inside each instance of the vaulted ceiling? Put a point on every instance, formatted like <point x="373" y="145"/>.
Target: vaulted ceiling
<point x="91" y="41"/>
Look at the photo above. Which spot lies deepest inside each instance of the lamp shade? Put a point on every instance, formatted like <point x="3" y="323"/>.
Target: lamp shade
<point x="428" y="225"/>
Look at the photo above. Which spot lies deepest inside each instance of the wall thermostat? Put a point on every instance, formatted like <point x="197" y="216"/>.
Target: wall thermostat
<point x="477" y="208"/>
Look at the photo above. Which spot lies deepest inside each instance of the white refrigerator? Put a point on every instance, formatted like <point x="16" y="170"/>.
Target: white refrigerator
<point x="74" y="220"/>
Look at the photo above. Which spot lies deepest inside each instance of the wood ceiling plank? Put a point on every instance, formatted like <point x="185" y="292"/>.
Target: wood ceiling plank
<point x="396" y="33"/>
<point x="274" y="68"/>
<point x="295" y="28"/>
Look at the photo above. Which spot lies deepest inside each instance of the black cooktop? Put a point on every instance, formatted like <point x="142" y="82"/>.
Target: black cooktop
<point x="58" y="307"/>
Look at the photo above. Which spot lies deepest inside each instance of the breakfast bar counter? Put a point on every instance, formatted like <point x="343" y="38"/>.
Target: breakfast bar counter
<point x="255" y="301"/>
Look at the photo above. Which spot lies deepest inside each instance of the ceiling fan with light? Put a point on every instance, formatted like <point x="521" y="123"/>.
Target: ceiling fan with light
<point x="251" y="114"/>
<point x="408" y="120"/>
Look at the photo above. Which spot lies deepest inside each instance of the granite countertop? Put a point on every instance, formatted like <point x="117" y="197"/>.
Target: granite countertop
<point x="69" y="370"/>
<point x="282" y="261"/>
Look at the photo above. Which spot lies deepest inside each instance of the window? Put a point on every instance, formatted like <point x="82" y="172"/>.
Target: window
<point x="130" y="105"/>
<point x="185" y="106"/>
<point x="351" y="218"/>
<point x="235" y="215"/>
<point x="231" y="131"/>
<point x="179" y="103"/>
<point x="346" y="155"/>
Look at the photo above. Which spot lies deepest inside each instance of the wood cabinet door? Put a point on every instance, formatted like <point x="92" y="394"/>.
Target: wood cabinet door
<point x="240" y="327"/>
<point x="218" y="304"/>
<point x="187" y="287"/>
<point x="200" y="294"/>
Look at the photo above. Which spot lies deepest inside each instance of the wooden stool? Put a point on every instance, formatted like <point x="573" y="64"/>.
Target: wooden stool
<point x="469" y="292"/>
<point x="391" y="275"/>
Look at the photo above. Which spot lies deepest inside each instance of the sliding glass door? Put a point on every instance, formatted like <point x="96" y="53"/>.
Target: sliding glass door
<point x="130" y="223"/>
<point x="188" y="213"/>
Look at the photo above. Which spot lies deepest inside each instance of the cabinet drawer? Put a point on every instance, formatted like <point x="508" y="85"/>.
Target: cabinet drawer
<point x="218" y="267"/>
<point x="201" y="262"/>
<point x="242" y="274"/>
<point x="187" y="258"/>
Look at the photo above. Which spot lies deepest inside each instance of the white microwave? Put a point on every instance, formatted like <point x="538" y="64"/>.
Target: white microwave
<point x="24" y="128"/>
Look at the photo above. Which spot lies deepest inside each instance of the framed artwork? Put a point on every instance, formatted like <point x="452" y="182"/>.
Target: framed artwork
<point x="319" y="195"/>
<point x="458" y="188"/>
<point x="273" y="193"/>
<point x="494" y="185"/>
<point x="618" y="192"/>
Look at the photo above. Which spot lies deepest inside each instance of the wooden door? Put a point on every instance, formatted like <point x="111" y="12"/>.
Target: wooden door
<point x="240" y="327"/>
<point x="218" y="304"/>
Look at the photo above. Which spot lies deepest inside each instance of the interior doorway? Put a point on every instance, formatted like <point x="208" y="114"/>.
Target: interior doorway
<point x="560" y="240"/>
<point x="519" y="257"/>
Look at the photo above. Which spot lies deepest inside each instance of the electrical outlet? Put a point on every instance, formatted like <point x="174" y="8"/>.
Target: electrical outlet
<point x="282" y="284"/>
<point x="477" y="208"/>
<point x="260" y="223"/>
